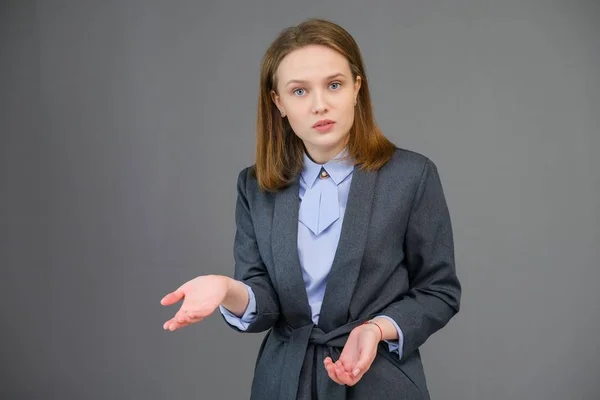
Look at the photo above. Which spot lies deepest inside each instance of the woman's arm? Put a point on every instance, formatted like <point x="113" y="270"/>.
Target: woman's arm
<point x="250" y="269"/>
<point x="435" y="291"/>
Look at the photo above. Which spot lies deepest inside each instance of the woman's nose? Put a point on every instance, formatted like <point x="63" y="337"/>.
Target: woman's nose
<point x="319" y="103"/>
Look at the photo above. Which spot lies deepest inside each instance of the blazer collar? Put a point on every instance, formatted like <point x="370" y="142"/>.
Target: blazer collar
<point x="346" y="263"/>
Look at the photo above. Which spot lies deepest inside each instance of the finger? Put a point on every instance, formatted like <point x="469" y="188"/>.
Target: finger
<point x="331" y="370"/>
<point x="182" y="325"/>
<point x="346" y="362"/>
<point x="172" y="298"/>
<point x="178" y="322"/>
<point x="195" y="317"/>
<point x="195" y="320"/>
<point x="182" y="316"/>
<point x="348" y="379"/>
<point x="349" y="357"/>
<point x="328" y="362"/>
<point x="332" y="374"/>
<point x="173" y="325"/>
<point x="343" y="376"/>
<point x="182" y="319"/>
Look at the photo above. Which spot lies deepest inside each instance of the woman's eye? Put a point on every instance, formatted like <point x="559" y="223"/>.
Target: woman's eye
<point x="298" y="90"/>
<point x="336" y="83"/>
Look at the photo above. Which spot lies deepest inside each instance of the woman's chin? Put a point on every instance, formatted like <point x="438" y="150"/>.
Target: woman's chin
<point x="323" y="146"/>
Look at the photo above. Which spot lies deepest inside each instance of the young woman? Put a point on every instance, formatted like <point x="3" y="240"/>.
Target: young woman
<point x="344" y="248"/>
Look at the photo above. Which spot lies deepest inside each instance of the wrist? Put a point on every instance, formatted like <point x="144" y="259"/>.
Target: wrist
<point x="236" y="297"/>
<point x="230" y="285"/>
<point x="374" y="327"/>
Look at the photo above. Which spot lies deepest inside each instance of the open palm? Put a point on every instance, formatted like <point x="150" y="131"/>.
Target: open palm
<point x="201" y="297"/>
<point x="356" y="358"/>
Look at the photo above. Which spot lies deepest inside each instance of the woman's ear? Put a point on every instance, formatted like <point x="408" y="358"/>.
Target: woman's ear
<point x="277" y="102"/>
<point x="357" y="83"/>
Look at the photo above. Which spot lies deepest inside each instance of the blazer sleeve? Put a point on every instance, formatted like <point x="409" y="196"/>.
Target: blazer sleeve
<point x="434" y="294"/>
<point x="249" y="314"/>
<point x="249" y="266"/>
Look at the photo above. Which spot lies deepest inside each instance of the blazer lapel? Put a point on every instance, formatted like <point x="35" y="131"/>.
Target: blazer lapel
<point x="284" y="246"/>
<point x="348" y="256"/>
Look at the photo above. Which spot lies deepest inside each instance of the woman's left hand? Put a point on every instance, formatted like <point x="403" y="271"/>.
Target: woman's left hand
<point x="357" y="356"/>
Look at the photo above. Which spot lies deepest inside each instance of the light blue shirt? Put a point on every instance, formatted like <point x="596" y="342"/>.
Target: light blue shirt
<point x="322" y="207"/>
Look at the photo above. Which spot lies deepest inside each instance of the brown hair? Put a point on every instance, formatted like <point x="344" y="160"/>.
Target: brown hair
<point x="279" y="151"/>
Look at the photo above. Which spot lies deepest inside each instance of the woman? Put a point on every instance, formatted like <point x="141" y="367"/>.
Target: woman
<point x="344" y="249"/>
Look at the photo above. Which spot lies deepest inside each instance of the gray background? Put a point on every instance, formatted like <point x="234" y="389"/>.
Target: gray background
<point x="124" y="125"/>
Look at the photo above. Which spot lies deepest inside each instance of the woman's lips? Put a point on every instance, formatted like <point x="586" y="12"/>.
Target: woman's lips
<point x="325" y="128"/>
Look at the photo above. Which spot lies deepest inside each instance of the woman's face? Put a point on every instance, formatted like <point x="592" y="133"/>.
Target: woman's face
<point x="314" y="83"/>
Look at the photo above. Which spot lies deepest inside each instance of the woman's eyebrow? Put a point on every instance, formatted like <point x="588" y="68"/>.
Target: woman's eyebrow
<point x="339" y="74"/>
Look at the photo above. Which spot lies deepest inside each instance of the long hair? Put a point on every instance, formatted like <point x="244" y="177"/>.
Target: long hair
<point x="279" y="151"/>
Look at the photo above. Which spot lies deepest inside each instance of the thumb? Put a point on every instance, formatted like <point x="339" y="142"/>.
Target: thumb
<point x="363" y="363"/>
<point x="172" y="297"/>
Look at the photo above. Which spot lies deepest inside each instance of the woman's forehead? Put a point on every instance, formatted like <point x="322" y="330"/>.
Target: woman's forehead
<point x="312" y="63"/>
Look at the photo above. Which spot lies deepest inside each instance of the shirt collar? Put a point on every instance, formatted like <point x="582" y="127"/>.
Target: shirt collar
<point x="337" y="168"/>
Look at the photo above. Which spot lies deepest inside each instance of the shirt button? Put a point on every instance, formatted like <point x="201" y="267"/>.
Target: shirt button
<point x="324" y="174"/>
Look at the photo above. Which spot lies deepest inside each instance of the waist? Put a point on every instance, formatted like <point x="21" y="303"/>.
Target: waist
<point x="313" y="334"/>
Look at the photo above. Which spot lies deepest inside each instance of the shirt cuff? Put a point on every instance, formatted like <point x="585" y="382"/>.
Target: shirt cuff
<point x="395" y="345"/>
<point x="247" y="318"/>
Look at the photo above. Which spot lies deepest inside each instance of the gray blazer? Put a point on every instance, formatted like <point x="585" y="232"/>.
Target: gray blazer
<point x="395" y="257"/>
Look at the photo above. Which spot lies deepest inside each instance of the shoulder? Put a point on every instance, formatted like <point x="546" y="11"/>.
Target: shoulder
<point x="247" y="173"/>
<point x="408" y="164"/>
<point x="249" y="189"/>
<point x="411" y="171"/>
<point x="405" y="158"/>
<point x="247" y="179"/>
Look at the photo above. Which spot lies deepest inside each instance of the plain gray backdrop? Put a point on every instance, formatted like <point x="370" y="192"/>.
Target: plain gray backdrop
<point x="124" y="125"/>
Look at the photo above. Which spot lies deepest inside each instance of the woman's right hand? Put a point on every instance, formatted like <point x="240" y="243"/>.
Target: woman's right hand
<point x="201" y="297"/>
